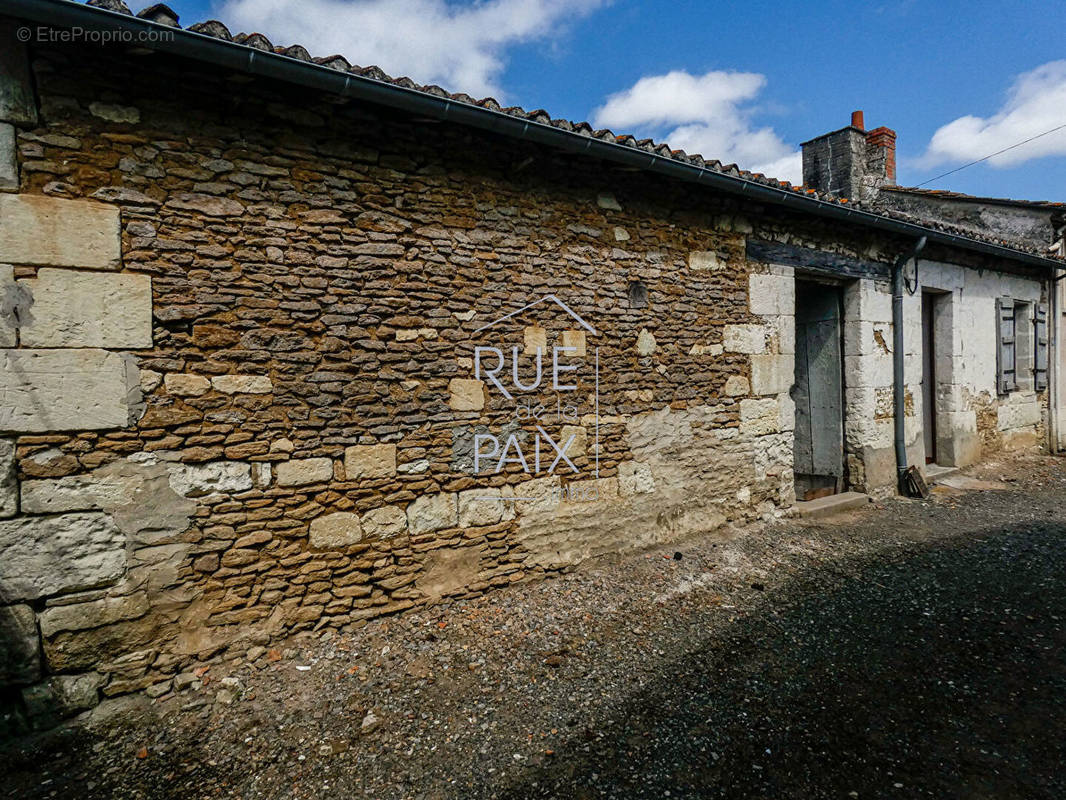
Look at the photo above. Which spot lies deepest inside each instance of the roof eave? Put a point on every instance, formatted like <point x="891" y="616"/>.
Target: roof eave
<point x="241" y="58"/>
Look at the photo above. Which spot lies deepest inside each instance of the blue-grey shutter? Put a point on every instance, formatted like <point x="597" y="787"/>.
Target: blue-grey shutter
<point x="1006" y="380"/>
<point x="1040" y="343"/>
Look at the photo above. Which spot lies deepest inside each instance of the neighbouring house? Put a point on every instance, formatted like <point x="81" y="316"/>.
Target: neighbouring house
<point x="290" y="344"/>
<point x="860" y="165"/>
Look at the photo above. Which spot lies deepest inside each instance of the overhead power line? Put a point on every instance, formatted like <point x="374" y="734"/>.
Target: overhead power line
<point x="991" y="155"/>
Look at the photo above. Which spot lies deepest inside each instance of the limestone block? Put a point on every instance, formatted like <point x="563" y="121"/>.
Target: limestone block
<point x="535" y="338"/>
<point x="93" y="614"/>
<point x="243" y="384"/>
<point x="771" y="294"/>
<point x="759" y="417"/>
<point x="786" y="413"/>
<point x="41" y="556"/>
<point x="744" y="338"/>
<point x="150" y="379"/>
<point x="20" y="655"/>
<point x="185" y="384"/>
<point x="8" y="484"/>
<point x="303" y="471"/>
<point x="865" y="300"/>
<point x="704" y="260"/>
<point x="867" y="338"/>
<point x="538" y="494"/>
<point x="74" y="308"/>
<point x="737" y="386"/>
<point x="1013" y="413"/>
<point x="432" y="512"/>
<point x="773" y="451"/>
<point x="416" y="467"/>
<point x="466" y="394"/>
<point x="369" y="461"/>
<point x="706" y="350"/>
<point x="785" y="335"/>
<point x="384" y="522"/>
<point x="772" y="374"/>
<point x="10" y="302"/>
<point x="224" y="477"/>
<point x="645" y="343"/>
<point x="483" y="507"/>
<point x="340" y="529"/>
<point x="74" y="693"/>
<point x="574" y="339"/>
<point x="450" y="569"/>
<point x="65" y="390"/>
<point x="871" y="370"/>
<point x="635" y="478"/>
<point x="76" y="493"/>
<point x="577" y="448"/>
<point x="82" y="650"/>
<point x="50" y="231"/>
<point x="621" y="234"/>
<point x="9" y="173"/>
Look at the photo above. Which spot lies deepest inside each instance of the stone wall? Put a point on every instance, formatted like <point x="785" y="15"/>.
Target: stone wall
<point x="242" y="385"/>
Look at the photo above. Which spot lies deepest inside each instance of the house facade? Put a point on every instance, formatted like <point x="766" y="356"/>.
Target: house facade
<point x="289" y="344"/>
<point x="860" y="165"/>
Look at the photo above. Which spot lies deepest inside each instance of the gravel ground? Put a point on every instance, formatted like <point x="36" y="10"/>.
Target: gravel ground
<point x="915" y="649"/>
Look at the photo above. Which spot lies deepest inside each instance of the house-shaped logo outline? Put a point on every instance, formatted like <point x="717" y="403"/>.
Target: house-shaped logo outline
<point x="528" y="306"/>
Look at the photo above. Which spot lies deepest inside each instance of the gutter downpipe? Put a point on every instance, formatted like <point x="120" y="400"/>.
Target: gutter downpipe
<point x="898" y="361"/>
<point x="1054" y="358"/>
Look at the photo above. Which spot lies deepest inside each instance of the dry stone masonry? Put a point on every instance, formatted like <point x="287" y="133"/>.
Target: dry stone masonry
<point x="238" y="338"/>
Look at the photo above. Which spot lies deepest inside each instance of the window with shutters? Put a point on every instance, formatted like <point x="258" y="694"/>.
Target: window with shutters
<point x="1022" y="350"/>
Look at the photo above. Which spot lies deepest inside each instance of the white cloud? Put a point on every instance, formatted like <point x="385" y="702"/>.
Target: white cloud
<point x="708" y="114"/>
<point x="1035" y="103"/>
<point x="430" y="41"/>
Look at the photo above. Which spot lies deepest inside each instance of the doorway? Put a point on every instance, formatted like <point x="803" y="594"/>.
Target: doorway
<point x="929" y="375"/>
<point x="818" y="390"/>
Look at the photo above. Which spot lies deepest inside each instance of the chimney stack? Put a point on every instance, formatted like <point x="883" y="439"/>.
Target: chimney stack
<point x="851" y="162"/>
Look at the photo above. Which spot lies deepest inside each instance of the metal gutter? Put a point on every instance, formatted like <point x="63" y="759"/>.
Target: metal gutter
<point x="899" y="415"/>
<point x="241" y="58"/>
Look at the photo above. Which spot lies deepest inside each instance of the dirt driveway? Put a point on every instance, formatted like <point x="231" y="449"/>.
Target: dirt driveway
<point x="914" y="649"/>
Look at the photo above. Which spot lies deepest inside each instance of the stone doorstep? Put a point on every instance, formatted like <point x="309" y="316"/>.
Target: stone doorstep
<point x="833" y="504"/>
<point x="934" y="473"/>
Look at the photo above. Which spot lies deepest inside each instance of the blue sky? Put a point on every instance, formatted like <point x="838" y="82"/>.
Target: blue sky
<point x="744" y="81"/>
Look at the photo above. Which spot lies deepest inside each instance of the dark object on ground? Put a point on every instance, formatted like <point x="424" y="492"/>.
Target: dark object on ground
<point x="914" y="484"/>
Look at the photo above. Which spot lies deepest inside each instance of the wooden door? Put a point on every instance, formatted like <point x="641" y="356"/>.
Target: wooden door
<point x="818" y="391"/>
<point x="929" y="375"/>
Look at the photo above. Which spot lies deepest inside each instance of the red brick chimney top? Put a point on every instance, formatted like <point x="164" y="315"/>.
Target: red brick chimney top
<point x="857" y="120"/>
<point x="886" y="138"/>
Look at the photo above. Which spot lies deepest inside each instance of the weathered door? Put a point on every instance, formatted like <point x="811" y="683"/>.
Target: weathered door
<point x="818" y="391"/>
<point x="929" y="375"/>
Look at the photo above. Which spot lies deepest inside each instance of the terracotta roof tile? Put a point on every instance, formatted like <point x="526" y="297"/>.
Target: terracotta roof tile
<point x="212" y="28"/>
